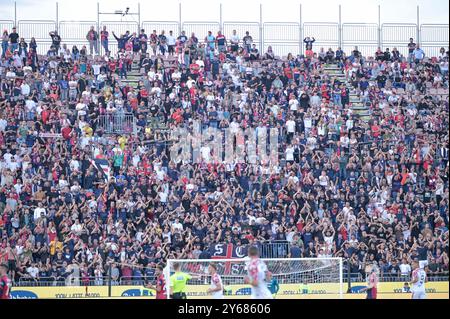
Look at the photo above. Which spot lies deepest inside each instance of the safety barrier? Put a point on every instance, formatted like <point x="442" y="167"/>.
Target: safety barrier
<point x="397" y="35"/>
<point x="274" y="249"/>
<point x="364" y="35"/>
<point x="119" y="27"/>
<point x="118" y="123"/>
<point x="74" y="32"/>
<point x="39" y="29"/>
<point x="6" y="25"/>
<point x="433" y="37"/>
<point x="284" y="37"/>
<point x="200" y="28"/>
<point x="149" y="26"/>
<point x="146" y="277"/>
<point x="325" y="33"/>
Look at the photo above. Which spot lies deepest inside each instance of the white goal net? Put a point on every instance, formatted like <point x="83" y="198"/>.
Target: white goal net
<point x="292" y="278"/>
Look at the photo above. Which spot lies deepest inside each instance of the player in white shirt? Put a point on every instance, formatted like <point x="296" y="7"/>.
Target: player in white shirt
<point x="216" y="288"/>
<point x="257" y="275"/>
<point x="418" y="280"/>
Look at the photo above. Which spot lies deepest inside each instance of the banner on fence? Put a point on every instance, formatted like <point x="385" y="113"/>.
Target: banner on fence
<point x="386" y="290"/>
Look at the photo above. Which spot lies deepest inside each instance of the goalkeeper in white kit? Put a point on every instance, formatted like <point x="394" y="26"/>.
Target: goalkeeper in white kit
<point x="257" y="275"/>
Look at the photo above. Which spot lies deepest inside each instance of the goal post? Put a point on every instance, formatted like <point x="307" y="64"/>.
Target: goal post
<point x="296" y="278"/>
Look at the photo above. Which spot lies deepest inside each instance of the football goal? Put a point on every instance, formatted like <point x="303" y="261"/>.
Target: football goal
<point x="291" y="278"/>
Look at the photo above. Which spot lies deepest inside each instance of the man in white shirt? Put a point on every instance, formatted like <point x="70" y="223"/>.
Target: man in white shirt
<point x="30" y="106"/>
<point x="171" y="42"/>
<point x="39" y="212"/>
<point x="33" y="271"/>
<point x="25" y="89"/>
<point x="234" y="41"/>
<point x="176" y="225"/>
<point x="3" y="124"/>
<point x="76" y="228"/>
<point x="290" y="128"/>
<point x="405" y="268"/>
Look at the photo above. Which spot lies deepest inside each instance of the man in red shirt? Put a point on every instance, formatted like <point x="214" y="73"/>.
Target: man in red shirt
<point x="160" y="283"/>
<point x="4" y="282"/>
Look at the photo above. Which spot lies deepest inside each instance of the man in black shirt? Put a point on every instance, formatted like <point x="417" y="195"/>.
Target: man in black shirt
<point x="13" y="39"/>
<point x="411" y="48"/>
<point x="56" y="40"/>
<point x="381" y="80"/>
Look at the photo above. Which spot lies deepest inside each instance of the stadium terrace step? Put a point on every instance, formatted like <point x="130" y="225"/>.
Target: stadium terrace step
<point x="359" y="108"/>
<point x="333" y="71"/>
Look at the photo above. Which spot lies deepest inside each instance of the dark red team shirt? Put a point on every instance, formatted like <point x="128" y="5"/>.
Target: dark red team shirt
<point x="161" y="282"/>
<point x="4" y="287"/>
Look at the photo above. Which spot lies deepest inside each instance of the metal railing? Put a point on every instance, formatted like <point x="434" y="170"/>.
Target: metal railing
<point x="284" y="37"/>
<point x="365" y="34"/>
<point x="387" y="277"/>
<point x="141" y="280"/>
<point x="274" y="249"/>
<point x="431" y="34"/>
<point x="118" y="123"/>
<point x="397" y="35"/>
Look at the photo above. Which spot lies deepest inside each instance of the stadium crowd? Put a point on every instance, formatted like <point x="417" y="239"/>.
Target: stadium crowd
<point x="366" y="189"/>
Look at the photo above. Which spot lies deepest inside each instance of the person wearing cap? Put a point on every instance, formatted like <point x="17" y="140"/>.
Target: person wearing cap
<point x="4" y="282"/>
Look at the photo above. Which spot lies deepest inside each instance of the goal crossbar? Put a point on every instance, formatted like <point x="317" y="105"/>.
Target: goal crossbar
<point x="283" y="268"/>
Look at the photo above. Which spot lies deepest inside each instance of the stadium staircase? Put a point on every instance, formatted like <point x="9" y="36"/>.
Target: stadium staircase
<point x="134" y="76"/>
<point x="358" y="107"/>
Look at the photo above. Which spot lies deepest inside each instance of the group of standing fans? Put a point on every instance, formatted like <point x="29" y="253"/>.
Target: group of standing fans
<point x="371" y="190"/>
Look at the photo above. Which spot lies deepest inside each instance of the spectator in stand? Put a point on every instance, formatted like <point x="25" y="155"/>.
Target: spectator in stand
<point x="221" y="42"/>
<point x="411" y="48"/>
<point x="154" y="41"/>
<point x="143" y="41"/>
<point x="418" y="54"/>
<point x="330" y="56"/>
<point x="92" y="37"/>
<point x="234" y="40"/>
<point x="5" y="42"/>
<point x="122" y="40"/>
<point x="248" y="41"/>
<point x="162" y="43"/>
<point x="309" y="43"/>
<point x="339" y="54"/>
<point x="104" y="39"/>
<point x="13" y="39"/>
<point x="56" y="40"/>
<point x="269" y="55"/>
<point x="367" y="189"/>
<point x="171" y="42"/>
<point x="254" y="53"/>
